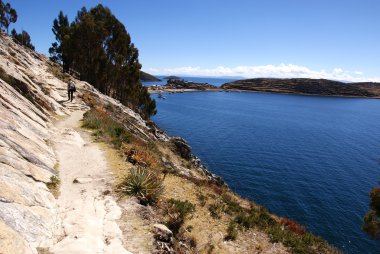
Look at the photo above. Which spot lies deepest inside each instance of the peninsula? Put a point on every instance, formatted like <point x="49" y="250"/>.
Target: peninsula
<point x="306" y="86"/>
<point x="148" y="77"/>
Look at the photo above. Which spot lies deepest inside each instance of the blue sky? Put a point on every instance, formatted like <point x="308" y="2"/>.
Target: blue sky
<point x="338" y="39"/>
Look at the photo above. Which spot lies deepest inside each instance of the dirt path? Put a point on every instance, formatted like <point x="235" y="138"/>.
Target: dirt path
<point x="88" y="213"/>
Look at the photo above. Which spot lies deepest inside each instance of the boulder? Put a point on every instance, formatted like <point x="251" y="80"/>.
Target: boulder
<point x="162" y="233"/>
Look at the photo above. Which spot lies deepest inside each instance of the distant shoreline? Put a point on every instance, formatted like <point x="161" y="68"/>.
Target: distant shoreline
<point x="252" y="91"/>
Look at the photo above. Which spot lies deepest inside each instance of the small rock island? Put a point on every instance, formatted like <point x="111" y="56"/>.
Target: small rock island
<point x="180" y="85"/>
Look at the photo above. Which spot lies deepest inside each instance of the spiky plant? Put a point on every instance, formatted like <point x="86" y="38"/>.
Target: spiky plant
<point x="143" y="183"/>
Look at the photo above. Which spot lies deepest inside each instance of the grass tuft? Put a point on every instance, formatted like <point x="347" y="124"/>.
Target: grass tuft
<point x="53" y="185"/>
<point x="143" y="183"/>
<point x="232" y="231"/>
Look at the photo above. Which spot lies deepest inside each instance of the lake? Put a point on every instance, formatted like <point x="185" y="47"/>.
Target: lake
<point x="309" y="158"/>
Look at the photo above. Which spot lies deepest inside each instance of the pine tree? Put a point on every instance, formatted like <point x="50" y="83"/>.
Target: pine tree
<point x="60" y="50"/>
<point x="22" y="38"/>
<point x="8" y="15"/>
<point x="98" y="46"/>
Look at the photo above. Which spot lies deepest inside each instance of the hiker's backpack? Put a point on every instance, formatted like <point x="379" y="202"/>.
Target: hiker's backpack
<point x="72" y="87"/>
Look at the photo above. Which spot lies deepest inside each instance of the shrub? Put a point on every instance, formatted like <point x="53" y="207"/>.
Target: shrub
<point x="372" y="224"/>
<point x="143" y="183"/>
<point x="232" y="231"/>
<point x="258" y="217"/>
<point x="201" y="198"/>
<point x="375" y="200"/>
<point x="232" y="206"/>
<point x="177" y="212"/>
<point x="293" y="226"/>
<point x="215" y="210"/>
<point x="109" y="129"/>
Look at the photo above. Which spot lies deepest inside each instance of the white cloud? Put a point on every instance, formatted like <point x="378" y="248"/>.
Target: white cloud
<point x="274" y="71"/>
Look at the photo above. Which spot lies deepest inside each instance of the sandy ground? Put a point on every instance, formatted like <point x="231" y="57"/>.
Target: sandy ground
<point x="88" y="213"/>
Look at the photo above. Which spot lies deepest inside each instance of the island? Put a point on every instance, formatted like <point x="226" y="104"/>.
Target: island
<point x="179" y="86"/>
<point x="306" y="86"/>
<point x="172" y="77"/>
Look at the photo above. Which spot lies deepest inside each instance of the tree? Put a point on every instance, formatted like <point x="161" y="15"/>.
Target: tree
<point x="8" y="15"/>
<point x="98" y="46"/>
<point x="60" y="50"/>
<point x="22" y="38"/>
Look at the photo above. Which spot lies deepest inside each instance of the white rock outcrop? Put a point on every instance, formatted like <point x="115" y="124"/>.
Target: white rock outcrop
<point x="31" y="99"/>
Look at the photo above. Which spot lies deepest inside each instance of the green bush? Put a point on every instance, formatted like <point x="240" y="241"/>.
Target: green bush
<point x="216" y="210"/>
<point x="232" y="206"/>
<point x="258" y="217"/>
<point x="232" y="231"/>
<point x="372" y="224"/>
<point x="106" y="127"/>
<point x="177" y="212"/>
<point x="143" y="183"/>
<point x="201" y="198"/>
<point x="375" y="200"/>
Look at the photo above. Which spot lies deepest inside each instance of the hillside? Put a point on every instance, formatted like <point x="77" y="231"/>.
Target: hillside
<point x="306" y="86"/>
<point x="147" y="77"/>
<point x="65" y="171"/>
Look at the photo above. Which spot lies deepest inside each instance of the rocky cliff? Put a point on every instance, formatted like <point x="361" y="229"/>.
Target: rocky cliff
<point x="306" y="86"/>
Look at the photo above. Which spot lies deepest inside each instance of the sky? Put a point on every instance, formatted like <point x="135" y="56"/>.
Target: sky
<point x="335" y="39"/>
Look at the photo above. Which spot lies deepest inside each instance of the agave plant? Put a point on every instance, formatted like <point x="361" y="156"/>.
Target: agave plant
<point x="143" y="183"/>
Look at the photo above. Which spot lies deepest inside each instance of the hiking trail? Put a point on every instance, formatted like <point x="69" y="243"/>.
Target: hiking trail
<point x="88" y="213"/>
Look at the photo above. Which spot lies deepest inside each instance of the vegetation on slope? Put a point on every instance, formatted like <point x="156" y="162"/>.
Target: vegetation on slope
<point x="372" y="219"/>
<point x="191" y="206"/>
<point x="98" y="47"/>
<point x="22" y="38"/>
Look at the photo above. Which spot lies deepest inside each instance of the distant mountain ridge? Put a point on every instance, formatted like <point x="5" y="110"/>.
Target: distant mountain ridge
<point x="306" y="86"/>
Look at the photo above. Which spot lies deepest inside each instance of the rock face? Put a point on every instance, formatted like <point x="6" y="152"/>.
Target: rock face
<point x="26" y="159"/>
<point x="31" y="97"/>
<point x="306" y="86"/>
<point x="182" y="148"/>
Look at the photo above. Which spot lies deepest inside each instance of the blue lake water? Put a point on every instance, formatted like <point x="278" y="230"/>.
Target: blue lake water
<point x="312" y="159"/>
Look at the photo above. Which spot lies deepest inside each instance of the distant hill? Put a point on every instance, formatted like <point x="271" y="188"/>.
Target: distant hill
<point x="147" y="77"/>
<point x="306" y="86"/>
<point x="172" y="77"/>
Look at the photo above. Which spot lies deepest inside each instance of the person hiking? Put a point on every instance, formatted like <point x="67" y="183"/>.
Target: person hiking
<point x="71" y="89"/>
